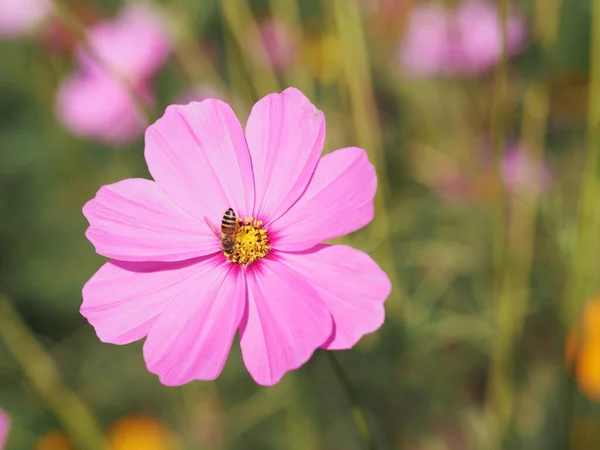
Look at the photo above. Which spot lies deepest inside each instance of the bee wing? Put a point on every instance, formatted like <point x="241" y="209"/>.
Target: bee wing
<point x="212" y="227"/>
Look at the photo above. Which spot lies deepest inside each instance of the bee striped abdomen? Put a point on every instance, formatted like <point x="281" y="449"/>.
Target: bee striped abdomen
<point x="242" y="242"/>
<point x="229" y="222"/>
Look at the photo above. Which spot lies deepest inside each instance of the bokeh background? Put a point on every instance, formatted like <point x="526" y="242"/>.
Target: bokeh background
<point x="483" y="120"/>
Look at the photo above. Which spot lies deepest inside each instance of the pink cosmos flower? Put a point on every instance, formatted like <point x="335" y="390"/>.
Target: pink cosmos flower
<point x="480" y="34"/>
<point x="424" y="50"/>
<point x="4" y="427"/>
<point x="521" y="174"/>
<point x="136" y="44"/>
<point x="443" y="173"/>
<point x="169" y="280"/>
<point x="466" y="41"/>
<point x="97" y="106"/>
<point x="18" y="17"/>
<point x="93" y="102"/>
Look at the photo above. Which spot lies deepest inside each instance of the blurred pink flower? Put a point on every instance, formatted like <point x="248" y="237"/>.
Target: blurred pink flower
<point x="480" y="36"/>
<point x="94" y="102"/>
<point x="457" y="183"/>
<point x="452" y="187"/>
<point x="287" y="294"/>
<point x="95" y="105"/>
<point x="280" y="44"/>
<point x="18" y="17"/>
<point x="4" y="427"/>
<point x="425" y="47"/>
<point x="466" y="41"/>
<point x="136" y="44"/>
<point x="521" y="174"/>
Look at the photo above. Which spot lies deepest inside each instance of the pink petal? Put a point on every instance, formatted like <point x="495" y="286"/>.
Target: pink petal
<point x="285" y="134"/>
<point x="424" y="50"/>
<point x="197" y="154"/>
<point x="350" y="283"/>
<point x="191" y="339"/>
<point x="136" y="44"/>
<point x="522" y="174"/>
<point x="122" y="300"/>
<point x="18" y="17"/>
<point x="337" y="201"/>
<point x="97" y="106"/>
<point x="478" y="23"/>
<point x="4" y="428"/>
<point x="286" y="322"/>
<point x="133" y="220"/>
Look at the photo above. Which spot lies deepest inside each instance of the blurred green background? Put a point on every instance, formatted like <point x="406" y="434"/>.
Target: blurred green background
<point x="489" y="272"/>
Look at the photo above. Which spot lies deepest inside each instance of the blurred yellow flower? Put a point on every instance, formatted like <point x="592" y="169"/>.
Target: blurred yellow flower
<point x="140" y="433"/>
<point x="128" y="433"/>
<point x="322" y="54"/>
<point x="583" y="350"/>
<point x="54" y="440"/>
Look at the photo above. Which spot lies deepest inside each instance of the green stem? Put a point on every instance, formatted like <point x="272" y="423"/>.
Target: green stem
<point x="188" y="53"/>
<point x="583" y="268"/>
<point x="581" y="277"/>
<point x="516" y="251"/>
<point x="298" y="74"/>
<point x="357" y="76"/>
<point x="240" y="20"/>
<point x="39" y="368"/>
<point x="358" y="414"/>
<point x="255" y="409"/>
<point x="569" y="395"/>
<point x="237" y="75"/>
<point x="499" y="399"/>
<point x="498" y="125"/>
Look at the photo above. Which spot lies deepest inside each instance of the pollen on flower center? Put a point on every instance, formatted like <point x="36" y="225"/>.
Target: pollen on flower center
<point x="251" y="242"/>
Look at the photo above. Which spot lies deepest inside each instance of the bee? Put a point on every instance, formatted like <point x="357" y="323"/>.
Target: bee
<point x="229" y="229"/>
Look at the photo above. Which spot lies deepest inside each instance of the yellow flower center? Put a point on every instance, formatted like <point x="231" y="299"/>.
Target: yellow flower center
<point x="251" y="242"/>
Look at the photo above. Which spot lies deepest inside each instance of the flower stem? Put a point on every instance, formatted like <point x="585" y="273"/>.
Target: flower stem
<point x="515" y="256"/>
<point x="188" y="52"/>
<point x="296" y="74"/>
<point x="240" y="20"/>
<point x="357" y="77"/>
<point x="358" y="413"/>
<point x="569" y="395"/>
<point x="252" y="411"/>
<point x="498" y="404"/>
<point x="39" y="368"/>
<point x="582" y="276"/>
